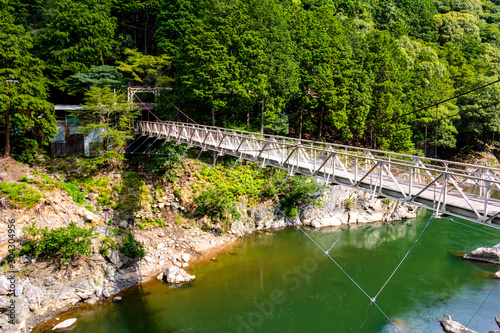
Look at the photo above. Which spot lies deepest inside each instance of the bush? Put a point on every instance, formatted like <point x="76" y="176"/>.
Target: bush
<point x="20" y="195"/>
<point x="166" y="160"/>
<point x="297" y="192"/>
<point x="132" y="248"/>
<point x="217" y="206"/>
<point x="64" y="243"/>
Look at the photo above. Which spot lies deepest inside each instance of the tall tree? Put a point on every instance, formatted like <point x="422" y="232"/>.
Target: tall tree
<point x="78" y="34"/>
<point x="23" y="88"/>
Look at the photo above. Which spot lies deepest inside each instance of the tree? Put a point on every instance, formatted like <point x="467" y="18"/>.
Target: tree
<point x="146" y="69"/>
<point x="107" y="114"/>
<point x="453" y="26"/>
<point x="23" y="88"/>
<point x="98" y="76"/>
<point x="78" y="34"/>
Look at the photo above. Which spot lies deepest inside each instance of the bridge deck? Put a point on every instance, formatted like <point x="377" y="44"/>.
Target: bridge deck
<point x="463" y="190"/>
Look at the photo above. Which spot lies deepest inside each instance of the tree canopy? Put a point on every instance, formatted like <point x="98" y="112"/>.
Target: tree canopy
<point x="351" y="71"/>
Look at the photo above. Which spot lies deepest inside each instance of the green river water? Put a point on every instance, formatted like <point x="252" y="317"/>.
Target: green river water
<point x="278" y="281"/>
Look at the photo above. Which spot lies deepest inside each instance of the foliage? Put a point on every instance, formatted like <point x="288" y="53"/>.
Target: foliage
<point x="146" y="69"/>
<point x="217" y="206"/>
<point x="106" y="114"/>
<point x="106" y="245"/>
<point x="296" y="193"/>
<point x="64" y="243"/>
<point x="78" y="34"/>
<point x="73" y="191"/>
<point x="23" y="87"/>
<point x="20" y="195"/>
<point x="166" y="160"/>
<point x="132" y="248"/>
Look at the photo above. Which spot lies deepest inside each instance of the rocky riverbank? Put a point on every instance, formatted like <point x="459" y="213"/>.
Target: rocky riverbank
<point x="44" y="288"/>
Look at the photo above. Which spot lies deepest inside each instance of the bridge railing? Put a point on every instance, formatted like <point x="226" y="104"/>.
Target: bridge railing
<point x="410" y="175"/>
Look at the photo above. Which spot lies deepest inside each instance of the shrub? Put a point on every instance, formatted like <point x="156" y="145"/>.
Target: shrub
<point x="297" y="191"/>
<point x="64" y="243"/>
<point x="20" y="195"/>
<point x="132" y="248"/>
<point x="166" y="160"/>
<point x="217" y="206"/>
<point x="348" y="204"/>
<point x="73" y="191"/>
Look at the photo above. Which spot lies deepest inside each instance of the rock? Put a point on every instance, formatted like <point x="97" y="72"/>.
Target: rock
<point x="185" y="257"/>
<point x="123" y="224"/>
<point x="450" y="326"/>
<point x="491" y="255"/>
<point x="161" y="205"/>
<point x="18" y="291"/>
<point x="497" y="319"/>
<point x="117" y="299"/>
<point x="174" y="274"/>
<point x="65" y="324"/>
<point x="116" y="259"/>
<point x="161" y="234"/>
<point x="104" y="230"/>
<point x="83" y="288"/>
<point x="89" y="217"/>
<point x="49" y="281"/>
<point x="106" y="292"/>
<point x="160" y="277"/>
<point x="174" y="206"/>
<point x="497" y="274"/>
<point x="160" y="246"/>
<point x="4" y="285"/>
<point x="91" y="196"/>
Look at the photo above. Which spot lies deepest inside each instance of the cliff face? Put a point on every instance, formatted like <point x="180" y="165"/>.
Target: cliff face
<point x="338" y="206"/>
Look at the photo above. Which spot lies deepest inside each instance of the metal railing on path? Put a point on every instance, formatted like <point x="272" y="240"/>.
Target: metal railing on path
<point x="464" y="190"/>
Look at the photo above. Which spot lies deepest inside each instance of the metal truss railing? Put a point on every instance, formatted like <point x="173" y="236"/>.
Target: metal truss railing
<point x="460" y="189"/>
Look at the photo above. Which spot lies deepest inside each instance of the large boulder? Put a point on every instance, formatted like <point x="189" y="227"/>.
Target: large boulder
<point x="491" y="254"/>
<point x="450" y="326"/>
<point x="174" y="274"/>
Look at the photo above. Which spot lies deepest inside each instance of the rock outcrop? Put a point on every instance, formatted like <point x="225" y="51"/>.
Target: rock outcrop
<point x="491" y="254"/>
<point x="450" y="326"/>
<point x="174" y="274"/>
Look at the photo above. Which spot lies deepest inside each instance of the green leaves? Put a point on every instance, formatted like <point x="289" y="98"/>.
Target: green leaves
<point x="63" y="243"/>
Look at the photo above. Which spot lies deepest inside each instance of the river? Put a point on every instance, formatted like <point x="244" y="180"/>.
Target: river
<point x="279" y="281"/>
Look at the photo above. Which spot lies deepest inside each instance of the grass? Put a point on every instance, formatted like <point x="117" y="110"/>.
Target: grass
<point x="20" y="195"/>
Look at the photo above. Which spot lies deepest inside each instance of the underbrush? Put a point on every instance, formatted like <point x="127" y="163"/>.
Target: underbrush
<point x="219" y="189"/>
<point x="20" y="195"/>
<point x="63" y="243"/>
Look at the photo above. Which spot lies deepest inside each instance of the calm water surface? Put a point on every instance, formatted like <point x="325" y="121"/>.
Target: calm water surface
<point x="280" y="282"/>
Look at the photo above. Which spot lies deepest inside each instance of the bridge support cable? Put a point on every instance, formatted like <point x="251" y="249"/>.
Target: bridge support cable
<point x="469" y="226"/>
<point x="372" y="300"/>
<point x="484" y="301"/>
<point x="140" y="145"/>
<point x="405" y="256"/>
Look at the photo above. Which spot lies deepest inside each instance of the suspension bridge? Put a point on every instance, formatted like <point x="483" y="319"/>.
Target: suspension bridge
<point x="463" y="190"/>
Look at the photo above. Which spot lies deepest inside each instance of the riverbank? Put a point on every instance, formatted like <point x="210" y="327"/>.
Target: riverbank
<point x="44" y="288"/>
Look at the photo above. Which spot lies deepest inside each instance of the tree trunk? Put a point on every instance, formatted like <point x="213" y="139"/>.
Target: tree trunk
<point x="300" y="123"/>
<point x="262" y="116"/>
<point x="213" y="116"/>
<point x="7" y="134"/>
<point x="320" y="124"/>
<point x="248" y="118"/>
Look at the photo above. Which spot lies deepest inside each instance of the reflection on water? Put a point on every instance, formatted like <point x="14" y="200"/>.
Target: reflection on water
<point x="281" y="282"/>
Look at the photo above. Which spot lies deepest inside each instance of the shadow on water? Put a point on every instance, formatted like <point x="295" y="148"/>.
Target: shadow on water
<point x="133" y="314"/>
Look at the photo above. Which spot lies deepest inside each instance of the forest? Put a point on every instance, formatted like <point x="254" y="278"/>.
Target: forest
<point x="409" y="76"/>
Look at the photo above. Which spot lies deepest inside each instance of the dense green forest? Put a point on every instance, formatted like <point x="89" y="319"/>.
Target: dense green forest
<point x="363" y="72"/>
